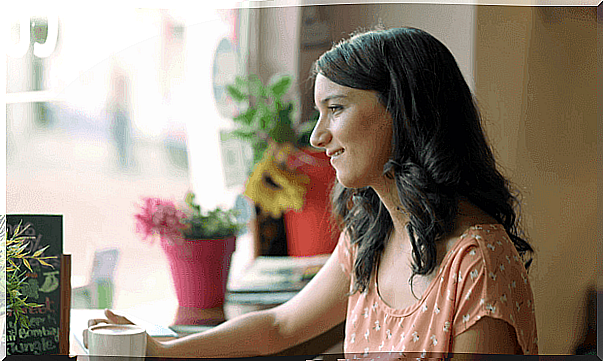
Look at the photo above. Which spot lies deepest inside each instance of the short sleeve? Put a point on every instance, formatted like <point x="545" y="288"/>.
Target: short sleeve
<point x="493" y="282"/>
<point x="344" y="253"/>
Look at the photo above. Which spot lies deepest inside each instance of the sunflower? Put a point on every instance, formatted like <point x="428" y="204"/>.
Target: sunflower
<point x="273" y="186"/>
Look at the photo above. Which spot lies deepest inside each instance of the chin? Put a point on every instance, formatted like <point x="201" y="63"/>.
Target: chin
<point x="349" y="183"/>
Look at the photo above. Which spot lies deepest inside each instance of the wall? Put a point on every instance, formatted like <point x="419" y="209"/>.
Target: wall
<point x="452" y="24"/>
<point x="534" y="74"/>
<point x="275" y="45"/>
<point x="274" y="41"/>
<point x="536" y="84"/>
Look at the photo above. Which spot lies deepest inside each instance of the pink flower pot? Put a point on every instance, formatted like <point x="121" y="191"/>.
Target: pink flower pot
<point x="200" y="270"/>
<point x="309" y="231"/>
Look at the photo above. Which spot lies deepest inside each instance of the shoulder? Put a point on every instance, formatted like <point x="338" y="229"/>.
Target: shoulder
<point x="492" y="293"/>
<point x="482" y="245"/>
<point x="345" y="243"/>
<point x="485" y="259"/>
<point x="345" y="253"/>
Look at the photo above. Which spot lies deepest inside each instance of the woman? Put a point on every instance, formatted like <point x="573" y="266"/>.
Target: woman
<point x="418" y="198"/>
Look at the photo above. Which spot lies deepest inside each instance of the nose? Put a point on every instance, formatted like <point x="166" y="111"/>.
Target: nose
<point x="320" y="136"/>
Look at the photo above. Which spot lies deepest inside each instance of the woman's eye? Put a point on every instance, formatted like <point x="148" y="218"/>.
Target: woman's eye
<point x="335" y="108"/>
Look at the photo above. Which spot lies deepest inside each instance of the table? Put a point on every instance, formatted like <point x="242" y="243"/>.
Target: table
<point x="270" y="281"/>
<point x="79" y="322"/>
<point x="330" y="342"/>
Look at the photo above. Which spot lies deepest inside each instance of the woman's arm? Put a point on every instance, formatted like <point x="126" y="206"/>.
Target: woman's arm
<point x="320" y="306"/>
<point x="252" y="334"/>
<point x="317" y="308"/>
<point x="488" y="336"/>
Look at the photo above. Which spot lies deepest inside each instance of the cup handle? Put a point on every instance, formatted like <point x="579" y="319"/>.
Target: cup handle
<point x="85" y="338"/>
<point x="85" y="332"/>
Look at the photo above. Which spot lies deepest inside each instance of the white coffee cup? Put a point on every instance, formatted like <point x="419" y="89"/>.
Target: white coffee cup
<point x="117" y="340"/>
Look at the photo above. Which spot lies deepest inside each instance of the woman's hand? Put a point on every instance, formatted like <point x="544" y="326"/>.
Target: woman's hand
<point x="111" y="318"/>
<point x="154" y="347"/>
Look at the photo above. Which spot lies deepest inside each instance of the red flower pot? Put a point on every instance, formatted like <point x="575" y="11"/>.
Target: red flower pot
<point x="309" y="232"/>
<point x="200" y="270"/>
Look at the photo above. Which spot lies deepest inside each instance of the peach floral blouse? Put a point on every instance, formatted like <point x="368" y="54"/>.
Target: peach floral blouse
<point x="482" y="275"/>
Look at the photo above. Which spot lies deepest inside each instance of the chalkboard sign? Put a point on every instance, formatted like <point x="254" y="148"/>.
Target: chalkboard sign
<point x="41" y="287"/>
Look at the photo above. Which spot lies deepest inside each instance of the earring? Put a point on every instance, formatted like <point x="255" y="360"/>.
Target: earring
<point x="356" y="195"/>
<point x="401" y="210"/>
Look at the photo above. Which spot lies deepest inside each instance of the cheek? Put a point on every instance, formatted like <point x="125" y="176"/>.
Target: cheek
<point x="344" y="132"/>
<point x="380" y="132"/>
<point x="387" y="140"/>
<point x="354" y="128"/>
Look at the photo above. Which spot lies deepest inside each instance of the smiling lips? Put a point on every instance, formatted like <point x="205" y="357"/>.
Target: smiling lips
<point x="335" y="154"/>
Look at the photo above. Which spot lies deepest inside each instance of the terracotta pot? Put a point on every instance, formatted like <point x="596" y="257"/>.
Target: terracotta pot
<point x="200" y="270"/>
<point x="309" y="231"/>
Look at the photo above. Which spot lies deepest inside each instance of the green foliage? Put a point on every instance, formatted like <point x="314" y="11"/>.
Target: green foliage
<point x="266" y="116"/>
<point x="214" y="224"/>
<point x="15" y="257"/>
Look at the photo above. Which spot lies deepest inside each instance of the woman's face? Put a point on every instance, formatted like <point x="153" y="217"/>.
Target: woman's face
<point x="355" y="129"/>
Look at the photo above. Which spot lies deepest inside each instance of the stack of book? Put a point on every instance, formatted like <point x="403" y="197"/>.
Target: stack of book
<point x="274" y="280"/>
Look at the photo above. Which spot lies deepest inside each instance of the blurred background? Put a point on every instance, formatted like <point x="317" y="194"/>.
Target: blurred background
<point x="100" y="120"/>
<point x="112" y="104"/>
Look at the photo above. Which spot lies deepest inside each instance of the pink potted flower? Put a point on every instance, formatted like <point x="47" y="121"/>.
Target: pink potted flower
<point x="198" y="244"/>
<point x="160" y="217"/>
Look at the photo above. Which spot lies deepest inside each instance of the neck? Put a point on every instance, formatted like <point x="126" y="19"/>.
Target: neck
<point x="388" y="194"/>
<point x="468" y="214"/>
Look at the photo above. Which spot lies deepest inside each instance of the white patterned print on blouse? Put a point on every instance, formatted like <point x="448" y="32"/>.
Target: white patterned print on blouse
<point x="382" y="331"/>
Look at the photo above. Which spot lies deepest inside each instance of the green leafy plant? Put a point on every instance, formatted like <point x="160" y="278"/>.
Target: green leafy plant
<point x="16" y="255"/>
<point x="213" y="224"/>
<point x="166" y="219"/>
<point x="266" y="116"/>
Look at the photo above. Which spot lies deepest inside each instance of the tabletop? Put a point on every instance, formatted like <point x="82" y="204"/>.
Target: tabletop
<point x="267" y="283"/>
<point x="79" y="322"/>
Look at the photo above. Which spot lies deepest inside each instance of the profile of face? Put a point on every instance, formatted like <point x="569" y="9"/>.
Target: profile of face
<point x="355" y="130"/>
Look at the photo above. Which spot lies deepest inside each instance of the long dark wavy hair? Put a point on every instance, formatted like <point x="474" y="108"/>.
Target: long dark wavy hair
<point x="439" y="149"/>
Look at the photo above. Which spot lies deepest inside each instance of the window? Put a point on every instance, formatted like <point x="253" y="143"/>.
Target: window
<point x="99" y="110"/>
